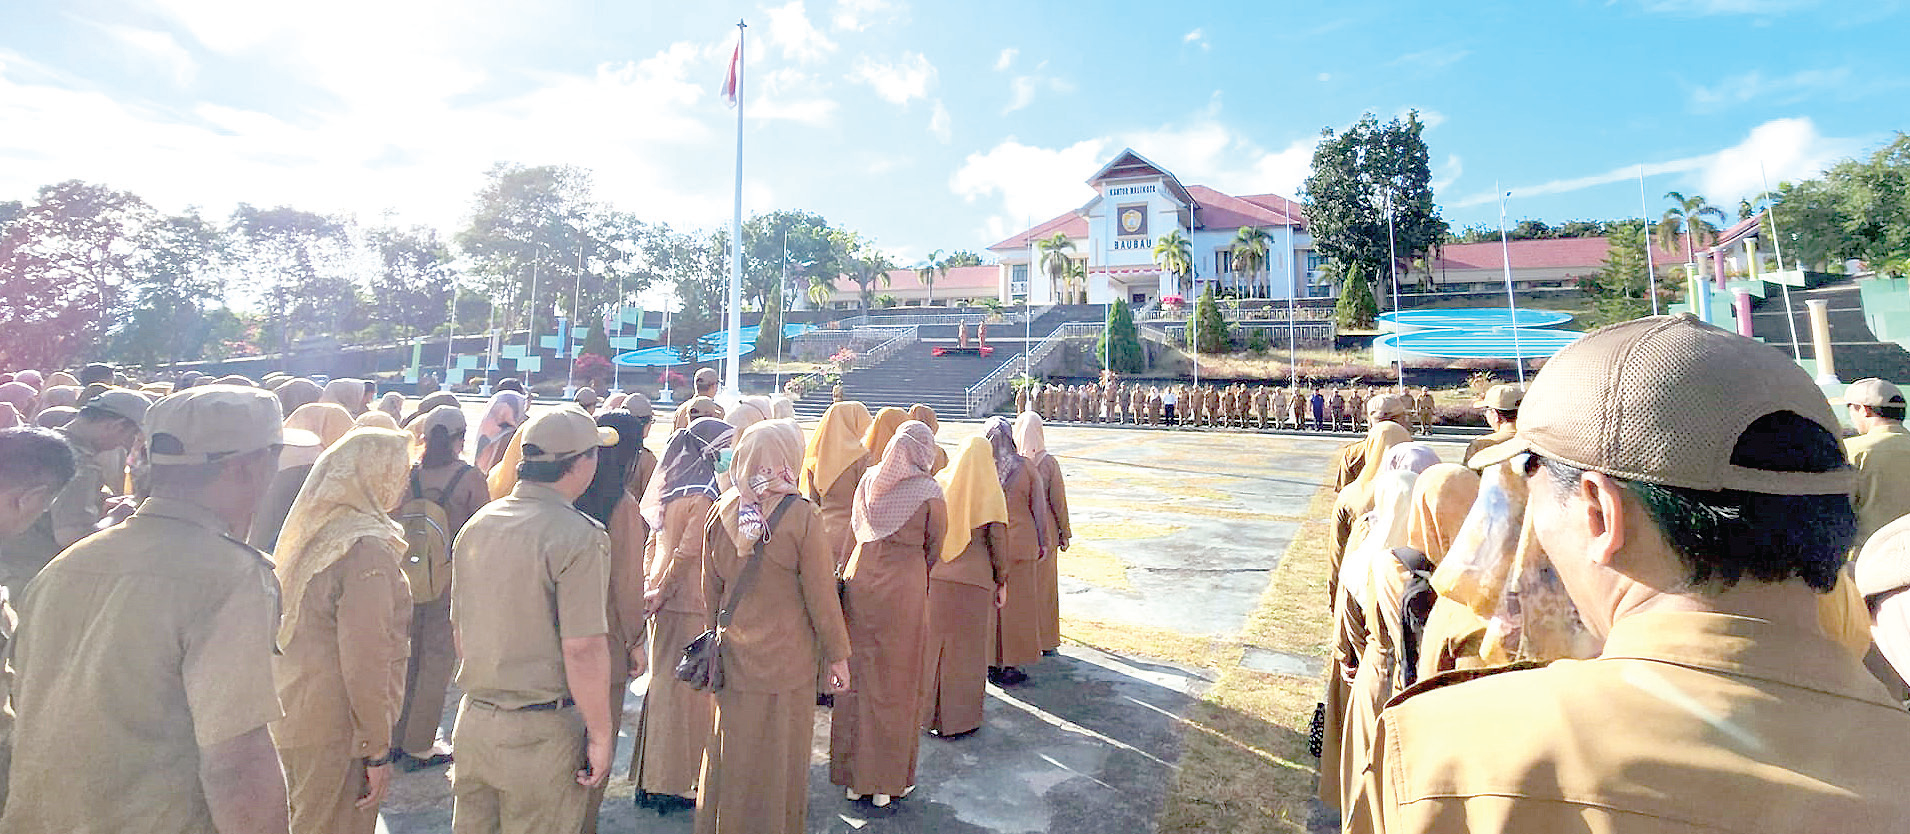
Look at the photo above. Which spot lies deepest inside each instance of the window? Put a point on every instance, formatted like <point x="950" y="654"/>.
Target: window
<point x="1018" y="280"/>
<point x="1223" y="262"/>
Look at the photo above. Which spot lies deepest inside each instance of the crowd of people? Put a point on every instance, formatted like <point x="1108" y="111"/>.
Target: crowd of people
<point x="1113" y="402"/>
<point x="1645" y="603"/>
<point x="241" y="605"/>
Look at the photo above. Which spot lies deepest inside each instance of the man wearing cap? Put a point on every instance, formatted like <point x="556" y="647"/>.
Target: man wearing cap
<point x="144" y="652"/>
<point x="706" y="382"/>
<point x="1688" y="487"/>
<point x="1380" y="409"/>
<point x="100" y="434"/>
<point x="529" y="608"/>
<point x="1880" y="453"/>
<point x="34" y="465"/>
<point x="1501" y="407"/>
<point x="587" y="399"/>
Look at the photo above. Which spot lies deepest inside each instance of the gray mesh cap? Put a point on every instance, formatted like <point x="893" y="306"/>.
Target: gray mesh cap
<point x="1664" y="400"/>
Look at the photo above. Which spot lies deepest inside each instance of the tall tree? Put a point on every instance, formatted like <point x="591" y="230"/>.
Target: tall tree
<point x="411" y="290"/>
<point x="295" y="260"/>
<point x="1355" y="309"/>
<point x="1251" y="248"/>
<point x="1207" y="328"/>
<point x="1356" y="177"/>
<point x="528" y="226"/>
<point x="69" y="256"/>
<point x="1622" y="289"/>
<point x="865" y="264"/>
<point x="1691" y="217"/>
<point x="1056" y="253"/>
<point x="929" y="270"/>
<point x="176" y="280"/>
<point x="1858" y="208"/>
<point x="963" y="257"/>
<point x="1175" y="253"/>
<point x="784" y="248"/>
<point x="1119" y="348"/>
<point x="769" y="330"/>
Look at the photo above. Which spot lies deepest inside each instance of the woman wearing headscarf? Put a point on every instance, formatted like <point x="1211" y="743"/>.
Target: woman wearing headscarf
<point x="876" y="439"/>
<point x="428" y="404"/>
<point x="756" y="771"/>
<point x="926" y="416"/>
<point x="1018" y="628"/>
<point x="56" y="396"/>
<point x="439" y="475"/>
<point x="781" y="407"/>
<point x="350" y="394"/>
<point x="341" y="640"/>
<point x="64" y="378"/>
<point x="31" y="377"/>
<point x="376" y="419"/>
<point x="899" y="522"/>
<point x="1357" y="498"/>
<point x="1393" y="492"/>
<point x="1441" y="500"/>
<point x="675" y="723"/>
<point x="748" y="412"/>
<point x="964" y="591"/>
<point x="1370" y="619"/>
<point x="329" y="422"/>
<point x="24" y="398"/>
<point x="292" y="393"/>
<point x="501" y="418"/>
<point x="620" y="469"/>
<point x="1032" y="442"/>
<point x="393" y="405"/>
<point x="832" y="466"/>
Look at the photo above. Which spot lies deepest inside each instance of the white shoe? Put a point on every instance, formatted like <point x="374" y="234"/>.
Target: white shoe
<point x="852" y="795"/>
<point x="880" y="800"/>
<point x="906" y="791"/>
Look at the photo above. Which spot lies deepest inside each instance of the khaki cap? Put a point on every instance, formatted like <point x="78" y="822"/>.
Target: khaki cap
<point x="450" y="417"/>
<point x="208" y="422"/>
<point x="1502" y="398"/>
<point x="638" y="405"/>
<point x="121" y="403"/>
<point x="1873" y="392"/>
<point x="706" y="376"/>
<point x="562" y="432"/>
<point x="1385" y="406"/>
<point x="1664" y="400"/>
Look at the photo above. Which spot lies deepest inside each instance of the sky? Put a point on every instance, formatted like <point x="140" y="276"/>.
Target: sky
<point x="930" y="126"/>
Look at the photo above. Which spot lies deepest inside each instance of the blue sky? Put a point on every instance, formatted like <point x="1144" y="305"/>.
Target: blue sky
<point x="930" y="125"/>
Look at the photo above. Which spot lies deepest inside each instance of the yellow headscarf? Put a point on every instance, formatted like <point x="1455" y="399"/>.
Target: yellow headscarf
<point x="61" y="378"/>
<point x="503" y="477"/>
<point x="348" y="496"/>
<point x="835" y="445"/>
<point x="327" y="420"/>
<point x="973" y="492"/>
<point x="1358" y="495"/>
<point x="880" y="432"/>
<point x="1441" y="498"/>
<point x="859" y="418"/>
<point x="377" y="420"/>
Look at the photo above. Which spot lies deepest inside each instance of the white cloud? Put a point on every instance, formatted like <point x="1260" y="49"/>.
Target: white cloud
<point x="857" y="15"/>
<point x="1428" y="117"/>
<point x="1023" y="89"/>
<point x="158" y="49"/>
<point x="1323" y="77"/>
<point x="789" y="94"/>
<point x="1755" y="86"/>
<point x="1706" y="8"/>
<point x="1447" y="173"/>
<point x="899" y="82"/>
<point x="938" y="122"/>
<point x="799" y="40"/>
<point x="1032" y="183"/>
<point x="1205" y="151"/>
<point x="1007" y="59"/>
<point x="1786" y="148"/>
<point x="1196" y="37"/>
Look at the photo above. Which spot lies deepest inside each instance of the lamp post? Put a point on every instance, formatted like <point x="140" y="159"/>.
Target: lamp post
<point x="530" y="326"/>
<point x="568" y="352"/>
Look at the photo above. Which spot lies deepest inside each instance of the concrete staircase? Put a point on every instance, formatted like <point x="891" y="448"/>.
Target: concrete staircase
<point x="1857" y="351"/>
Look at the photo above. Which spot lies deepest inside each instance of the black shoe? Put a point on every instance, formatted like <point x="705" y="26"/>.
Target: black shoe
<point x="1050" y="652"/>
<point x="1010" y="676"/>
<point x="408" y="763"/>
<point x="669" y="803"/>
<point x="826" y="700"/>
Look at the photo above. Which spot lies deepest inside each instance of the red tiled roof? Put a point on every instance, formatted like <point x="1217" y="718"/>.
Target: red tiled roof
<point x="1222" y="211"/>
<point x="1071" y="224"/>
<point x="1557" y="253"/>
<point x="985" y="277"/>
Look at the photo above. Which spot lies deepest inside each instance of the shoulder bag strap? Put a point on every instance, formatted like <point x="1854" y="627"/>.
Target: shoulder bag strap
<point x="748" y="576"/>
<point x="417" y="489"/>
<point x="451" y="486"/>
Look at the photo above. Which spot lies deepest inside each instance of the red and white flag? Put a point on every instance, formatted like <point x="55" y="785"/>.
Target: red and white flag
<point x="733" y="81"/>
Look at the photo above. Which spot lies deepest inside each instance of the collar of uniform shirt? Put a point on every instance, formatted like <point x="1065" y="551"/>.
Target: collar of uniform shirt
<point x="539" y="492"/>
<point x="1743" y="646"/>
<point x="179" y="510"/>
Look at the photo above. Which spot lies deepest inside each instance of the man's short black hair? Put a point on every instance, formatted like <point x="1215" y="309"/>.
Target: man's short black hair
<point x="1726" y="535"/>
<point x="1510" y="415"/>
<point x="34" y="457"/>
<point x="1890" y="412"/>
<point x="96" y="372"/>
<point x="551" y="471"/>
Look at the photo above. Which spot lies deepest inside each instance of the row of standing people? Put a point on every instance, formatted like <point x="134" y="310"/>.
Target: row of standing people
<point x="1230" y="406"/>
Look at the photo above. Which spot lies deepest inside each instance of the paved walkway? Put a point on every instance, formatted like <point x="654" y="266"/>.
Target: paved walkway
<point x="1174" y="530"/>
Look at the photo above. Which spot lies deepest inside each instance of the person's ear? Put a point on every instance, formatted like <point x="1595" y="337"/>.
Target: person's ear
<point x="1602" y="501"/>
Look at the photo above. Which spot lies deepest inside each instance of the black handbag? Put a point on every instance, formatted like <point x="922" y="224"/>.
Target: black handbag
<point x="702" y="663"/>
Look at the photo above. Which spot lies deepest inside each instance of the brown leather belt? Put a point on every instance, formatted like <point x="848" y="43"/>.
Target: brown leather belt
<point x="543" y="707"/>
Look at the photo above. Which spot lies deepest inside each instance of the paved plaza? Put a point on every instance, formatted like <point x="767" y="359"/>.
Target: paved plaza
<point x="1174" y="531"/>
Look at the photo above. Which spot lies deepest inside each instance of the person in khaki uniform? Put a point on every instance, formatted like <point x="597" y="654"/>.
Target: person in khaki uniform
<point x="1501" y="407"/>
<point x="344" y="636"/>
<point x="1880" y="453"/>
<point x="529" y="608"/>
<point x="34" y="465"/>
<point x="145" y="652"/>
<point x="1717" y="702"/>
<point x="1386" y="408"/>
<point x="105" y="428"/>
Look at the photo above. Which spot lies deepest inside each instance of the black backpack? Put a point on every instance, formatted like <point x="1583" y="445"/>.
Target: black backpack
<point x="1414" y="606"/>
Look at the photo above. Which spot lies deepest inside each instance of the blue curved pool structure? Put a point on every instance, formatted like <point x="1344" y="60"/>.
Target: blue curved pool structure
<point x="1464" y="343"/>
<point x="665" y="356"/>
<point x="1471" y="318"/>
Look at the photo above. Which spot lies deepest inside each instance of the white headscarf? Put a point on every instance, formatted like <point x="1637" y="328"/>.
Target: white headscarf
<point x="1390" y="521"/>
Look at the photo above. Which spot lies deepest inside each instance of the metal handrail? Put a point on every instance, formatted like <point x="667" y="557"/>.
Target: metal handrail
<point x="928" y="319"/>
<point x="900" y="337"/>
<point x="982" y="394"/>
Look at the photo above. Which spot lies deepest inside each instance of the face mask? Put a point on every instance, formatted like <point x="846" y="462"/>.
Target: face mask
<point x="723" y="457"/>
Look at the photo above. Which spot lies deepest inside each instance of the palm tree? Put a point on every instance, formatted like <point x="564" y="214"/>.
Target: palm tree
<point x="867" y="267"/>
<point x="1076" y="275"/>
<point x="935" y="267"/>
<point x="1175" y="253"/>
<point x="1055" y="260"/>
<point x="820" y="290"/>
<point x="1250" y="248"/>
<point x="1688" y="215"/>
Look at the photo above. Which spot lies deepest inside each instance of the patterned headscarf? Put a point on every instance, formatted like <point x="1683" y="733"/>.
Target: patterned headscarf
<point x="346" y="498"/>
<point x="763" y="468"/>
<point x="1411" y="456"/>
<point x="889" y="494"/>
<point x="1001" y="436"/>
<point x="688" y="467"/>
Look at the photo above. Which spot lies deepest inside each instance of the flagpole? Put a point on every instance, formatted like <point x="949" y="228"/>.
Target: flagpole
<point x="1777" y="241"/>
<point x="730" y="381"/>
<point x="1511" y="302"/>
<point x="1644" y="216"/>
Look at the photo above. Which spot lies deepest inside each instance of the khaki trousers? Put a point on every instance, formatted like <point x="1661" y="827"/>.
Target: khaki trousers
<point x="434" y="659"/>
<point x="517" y="771"/>
<point x="323" y="782"/>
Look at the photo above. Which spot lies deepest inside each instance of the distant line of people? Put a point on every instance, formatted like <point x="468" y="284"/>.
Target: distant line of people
<point x="1112" y="402"/>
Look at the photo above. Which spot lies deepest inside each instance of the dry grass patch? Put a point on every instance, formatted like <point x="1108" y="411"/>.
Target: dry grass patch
<point x="1128" y="640"/>
<point x="1122" y="529"/>
<point x="1094" y="566"/>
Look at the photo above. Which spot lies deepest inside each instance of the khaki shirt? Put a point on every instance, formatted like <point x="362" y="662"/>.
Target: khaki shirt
<point x="1687" y="722"/>
<point x="76" y="510"/>
<point x="1480" y="444"/>
<point x="138" y="647"/>
<point x="342" y="675"/>
<point x="1881" y="457"/>
<point x="532" y="571"/>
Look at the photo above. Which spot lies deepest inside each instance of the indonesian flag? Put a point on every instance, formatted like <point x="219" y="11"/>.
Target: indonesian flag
<point x="733" y="81"/>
